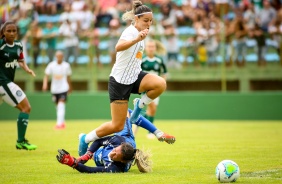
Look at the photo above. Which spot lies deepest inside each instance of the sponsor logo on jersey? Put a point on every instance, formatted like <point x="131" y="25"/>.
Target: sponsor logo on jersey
<point x="19" y="93"/>
<point x="7" y="54"/>
<point x="140" y="53"/>
<point x="11" y="64"/>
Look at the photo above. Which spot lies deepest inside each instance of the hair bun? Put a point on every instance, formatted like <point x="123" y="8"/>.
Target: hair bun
<point x="137" y="3"/>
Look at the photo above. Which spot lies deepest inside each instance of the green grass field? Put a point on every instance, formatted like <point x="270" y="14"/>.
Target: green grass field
<point x="254" y="145"/>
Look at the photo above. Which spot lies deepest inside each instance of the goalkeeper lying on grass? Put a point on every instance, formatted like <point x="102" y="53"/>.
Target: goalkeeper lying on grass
<point x="114" y="153"/>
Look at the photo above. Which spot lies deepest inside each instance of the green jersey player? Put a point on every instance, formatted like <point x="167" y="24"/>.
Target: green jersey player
<point x="152" y="63"/>
<point x="11" y="55"/>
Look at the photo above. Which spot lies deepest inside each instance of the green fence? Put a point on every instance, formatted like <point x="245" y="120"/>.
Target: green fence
<point x="173" y="105"/>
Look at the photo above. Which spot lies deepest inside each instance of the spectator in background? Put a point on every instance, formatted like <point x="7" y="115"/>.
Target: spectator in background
<point x="50" y="34"/>
<point x="77" y="5"/>
<point x="67" y="14"/>
<point x="69" y="31"/>
<point x="201" y="38"/>
<point x="5" y="9"/>
<point x="274" y="39"/>
<point x="122" y="6"/>
<point x="114" y="34"/>
<point x="168" y="14"/>
<point x="85" y="19"/>
<point x="266" y="15"/>
<point x="34" y="35"/>
<point x="60" y="71"/>
<point x="221" y="7"/>
<point x="240" y="32"/>
<point x="23" y="24"/>
<point x="211" y="42"/>
<point x="258" y="5"/>
<point x="258" y="34"/>
<point x="171" y="44"/>
<point x="39" y="6"/>
<point x="51" y="7"/>
<point x="250" y="17"/>
<point x="202" y="54"/>
<point x="26" y="6"/>
<point x="105" y="11"/>
<point x="228" y="40"/>
<point x="76" y="9"/>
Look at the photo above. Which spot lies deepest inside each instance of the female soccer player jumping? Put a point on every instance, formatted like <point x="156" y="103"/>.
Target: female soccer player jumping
<point x="127" y="77"/>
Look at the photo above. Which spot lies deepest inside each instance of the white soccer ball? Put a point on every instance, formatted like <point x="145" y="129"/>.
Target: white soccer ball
<point x="227" y="171"/>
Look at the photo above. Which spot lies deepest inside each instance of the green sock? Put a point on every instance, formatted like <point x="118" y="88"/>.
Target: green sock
<point x="150" y="118"/>
<point x="22" y="125"/>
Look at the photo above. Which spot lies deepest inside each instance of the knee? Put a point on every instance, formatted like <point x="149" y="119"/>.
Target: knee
<point x="26" y="109"/>
<point x="162" y="84"/>
<point x="117" y="127"/>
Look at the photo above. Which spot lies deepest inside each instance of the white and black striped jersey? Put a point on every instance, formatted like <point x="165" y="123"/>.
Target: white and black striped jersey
<point x="128" y="62"/>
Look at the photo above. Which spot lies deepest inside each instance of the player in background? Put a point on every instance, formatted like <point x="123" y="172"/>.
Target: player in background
<point x="114" y="153"/>
<point x="11" y="55"/>
<point x="153" y="63"/>
<point x="60" y="71"/>
<point x="127" y="76"/>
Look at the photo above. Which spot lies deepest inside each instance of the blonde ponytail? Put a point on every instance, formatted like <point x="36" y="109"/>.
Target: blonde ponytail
<point x="161" y="50"/>
<point x="128" y="16"/>
<point x="143" y="161"/>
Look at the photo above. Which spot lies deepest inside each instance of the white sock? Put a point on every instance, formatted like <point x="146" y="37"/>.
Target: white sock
<point x="158" y="133"/>
<point x="145" y="100"/>
<point x="91" y="136"/>
<point x="60" y="113"/>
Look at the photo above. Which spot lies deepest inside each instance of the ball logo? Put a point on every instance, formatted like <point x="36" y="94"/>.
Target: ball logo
<point x="19" y="93"/>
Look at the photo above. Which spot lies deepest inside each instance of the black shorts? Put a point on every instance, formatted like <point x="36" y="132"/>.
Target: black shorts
<point x="119" y="91"/>
<point x="59" y="96"/>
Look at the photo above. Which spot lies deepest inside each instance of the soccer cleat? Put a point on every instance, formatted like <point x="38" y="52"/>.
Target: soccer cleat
<point x="25" y="145"/>
<point x="65" y="158"/>
<point x="84" y="158"/>
<point x="82" y="147"/>
<point x="136" y="111"/>
<point x="60" y="127"/>
<point x="170" y="139"/>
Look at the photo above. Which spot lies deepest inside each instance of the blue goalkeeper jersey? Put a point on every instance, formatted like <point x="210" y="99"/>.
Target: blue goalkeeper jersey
<point x="102" y="148"/>
<point x="101" y="156"/>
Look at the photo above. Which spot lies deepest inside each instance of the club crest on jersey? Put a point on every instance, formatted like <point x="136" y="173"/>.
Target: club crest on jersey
<point x="19" y="93"/>
<point x="156" y="67"/>
<point x="18" y="52"/>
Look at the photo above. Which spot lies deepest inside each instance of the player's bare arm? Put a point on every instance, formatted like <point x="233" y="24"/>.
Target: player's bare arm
<point x="23" y="65"/>
<point x="125" y="44"/>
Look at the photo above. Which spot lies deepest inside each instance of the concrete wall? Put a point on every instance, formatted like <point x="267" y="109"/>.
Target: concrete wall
<point x="173" y="105"/>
